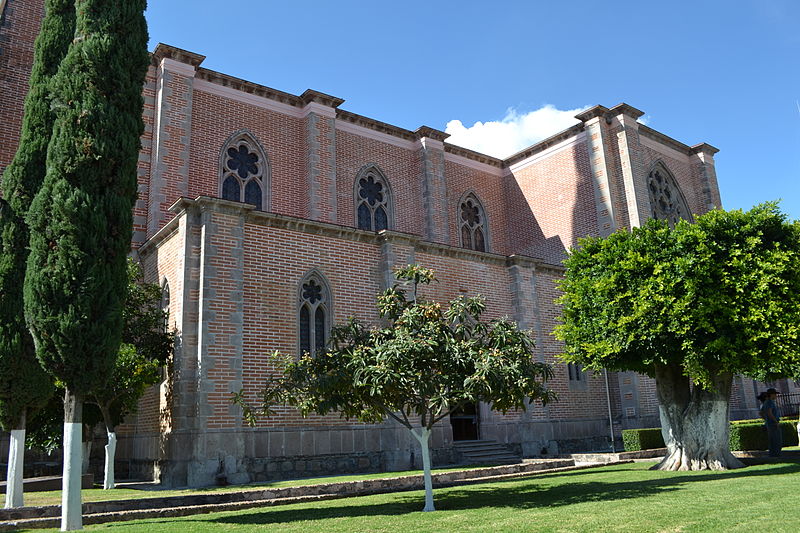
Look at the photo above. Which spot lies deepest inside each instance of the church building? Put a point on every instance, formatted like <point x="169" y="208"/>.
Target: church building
<point x="268" y="217"/>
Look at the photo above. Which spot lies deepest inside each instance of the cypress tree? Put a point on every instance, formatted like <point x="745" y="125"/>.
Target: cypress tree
<point x="81" y="218"/>
<point x="24" y="386"/>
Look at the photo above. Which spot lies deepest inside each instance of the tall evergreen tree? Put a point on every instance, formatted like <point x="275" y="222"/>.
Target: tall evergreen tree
<point x="24" y="386"/>
<point x="81" y="219"/>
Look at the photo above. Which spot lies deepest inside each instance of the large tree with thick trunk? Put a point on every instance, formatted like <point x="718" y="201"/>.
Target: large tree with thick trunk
<point x="692" y="307"/>
<point x="427" y="362"/>
<point x="81" y="218"/>
<point x="24" y="385"/>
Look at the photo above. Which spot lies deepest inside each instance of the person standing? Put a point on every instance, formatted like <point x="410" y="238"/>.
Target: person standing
<point x="772" y="419"/>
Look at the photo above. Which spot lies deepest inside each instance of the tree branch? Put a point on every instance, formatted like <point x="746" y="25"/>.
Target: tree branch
<point x="405" y="422"/>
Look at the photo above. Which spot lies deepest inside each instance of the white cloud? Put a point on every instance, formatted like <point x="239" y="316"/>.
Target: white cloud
<point x="502" y="138"/>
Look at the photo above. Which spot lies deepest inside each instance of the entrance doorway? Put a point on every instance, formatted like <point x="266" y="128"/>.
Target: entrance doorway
<point x="465" y="422"/>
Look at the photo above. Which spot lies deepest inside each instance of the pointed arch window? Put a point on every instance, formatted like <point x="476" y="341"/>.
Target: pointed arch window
<point x="666" y="199"/>
<point x="472" y="224"/>
<point x="314" y="313"/>
<point x="373" y="199"/>
<point x="244" y="171"/>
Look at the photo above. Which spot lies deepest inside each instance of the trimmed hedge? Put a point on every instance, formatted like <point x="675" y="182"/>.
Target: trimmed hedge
<point x="642" y="439"/>
<point x="744" y="435"/>
<point x="753" y="435"/>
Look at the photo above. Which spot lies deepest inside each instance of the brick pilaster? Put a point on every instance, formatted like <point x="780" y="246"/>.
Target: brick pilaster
<point x="320" y="133"/>
<point x="593" y="120"/>
<point x="703" y="160"/>
<point x="171" y="131"/>
<point x="634" y="174"/>
<point x="434" y="184"/>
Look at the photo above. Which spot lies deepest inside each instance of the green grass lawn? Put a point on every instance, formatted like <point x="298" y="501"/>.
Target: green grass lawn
<point x="622" y="498"/>
<point x="53" y="497"/>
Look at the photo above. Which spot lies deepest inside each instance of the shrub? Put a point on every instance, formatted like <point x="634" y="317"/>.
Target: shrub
<point x="752" y="435"/>
<point x="744" y="435"/>
<point x="642" y="439"/>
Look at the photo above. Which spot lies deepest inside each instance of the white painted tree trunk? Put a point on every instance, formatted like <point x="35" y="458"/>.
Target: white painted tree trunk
<point x="423" y="435"/>
<point x="694" y="422"/>
<point x="71" y="517"/>
<point x="86" y="453"/>
<point x="16" y="461"/>
<point x="111" y="450"/>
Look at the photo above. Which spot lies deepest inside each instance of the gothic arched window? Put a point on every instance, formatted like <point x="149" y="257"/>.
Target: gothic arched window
<point x="472" y="223"/>
<point x="314" y="313"/>
<point x="373" y="199"/>
<point x="244" y="171"/>
<point x="666" y="199"/>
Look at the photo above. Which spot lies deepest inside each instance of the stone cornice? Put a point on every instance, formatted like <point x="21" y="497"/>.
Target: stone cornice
<point x="165" y="51"/>
<point x="664" y="139"/>
<point x="376" y="125"/>
<point x="544" y="145"/>
<point x="334" y="231"/>
<point x="704" y="147"/>
<point x="592" y="112"/>
<point x="310" y="95"/>
<point x="472" y="154"/>
<point x="249" y="87"/>
<point x="431" y="133"/>
<point x="625" y="109"/>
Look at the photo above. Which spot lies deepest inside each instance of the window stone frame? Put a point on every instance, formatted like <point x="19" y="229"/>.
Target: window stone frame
<point x="484" y="225"/>
<point x="372" y="169"/>
<point x="671" y="189"/>
<point x="264" y="175"/>
<point x="326" y="303"/>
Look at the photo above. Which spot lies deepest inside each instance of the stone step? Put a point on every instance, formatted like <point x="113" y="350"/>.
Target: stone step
<point x="43" y="483"/>
<point x="486" y="452"/>
<point x="475" y="443"/>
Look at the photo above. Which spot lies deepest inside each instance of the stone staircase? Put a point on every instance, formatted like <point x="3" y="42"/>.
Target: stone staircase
<point x="485" y="452"/>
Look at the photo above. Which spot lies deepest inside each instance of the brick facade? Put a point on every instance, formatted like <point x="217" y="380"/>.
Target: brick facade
<point x="234" y="272"/>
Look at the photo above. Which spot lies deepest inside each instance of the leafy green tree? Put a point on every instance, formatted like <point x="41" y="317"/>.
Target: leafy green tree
<point x="690" y="306"/>
<point x="146" y="346"/>
<point x="81" y="218"/>
<point x="24" y="385"/>
<point x="427" y="362"/>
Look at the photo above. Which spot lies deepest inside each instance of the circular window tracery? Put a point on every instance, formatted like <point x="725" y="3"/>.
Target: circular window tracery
<point x="472" y="224"/>
<point x="372" y="200"/>
<point x="666" y="200"/>
<point x="243" y="172"/>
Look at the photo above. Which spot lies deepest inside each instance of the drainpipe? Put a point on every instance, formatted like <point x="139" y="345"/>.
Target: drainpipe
<point x="610" y="418"/>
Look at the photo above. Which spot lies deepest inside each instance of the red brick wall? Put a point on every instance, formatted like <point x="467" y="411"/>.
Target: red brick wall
<point x="21" y="22"/>
<point x="400" y="166"/>
<point x="276" y="260"/>
<point x="490" y="190"/>
<point x="215" y="118"/>
<point x="550" y="203"/>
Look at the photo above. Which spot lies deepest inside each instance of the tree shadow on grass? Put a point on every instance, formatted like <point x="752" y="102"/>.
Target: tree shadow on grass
<point x="517" y="493"/>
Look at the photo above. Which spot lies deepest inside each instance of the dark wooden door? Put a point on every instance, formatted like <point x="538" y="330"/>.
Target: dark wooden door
<point x="465" y="422"/>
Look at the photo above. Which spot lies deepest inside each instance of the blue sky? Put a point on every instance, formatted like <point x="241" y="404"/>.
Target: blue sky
<point x="722" y="72"/>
